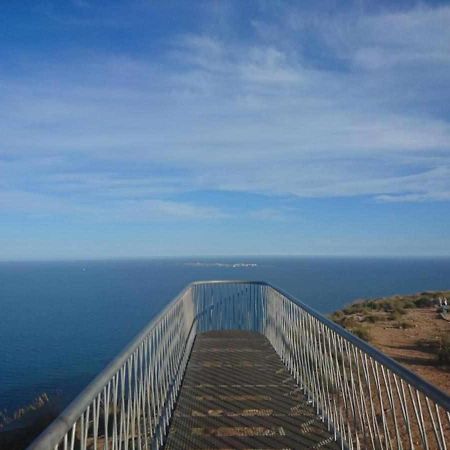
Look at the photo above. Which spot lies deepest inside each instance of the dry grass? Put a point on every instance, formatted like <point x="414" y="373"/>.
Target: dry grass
<point x="408" y="329"/>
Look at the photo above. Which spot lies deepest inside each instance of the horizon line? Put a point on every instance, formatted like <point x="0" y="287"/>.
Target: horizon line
<point x="220" y="256"/>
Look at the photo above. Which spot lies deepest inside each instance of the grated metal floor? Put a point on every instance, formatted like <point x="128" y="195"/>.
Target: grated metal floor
<point x="236" y="394"/>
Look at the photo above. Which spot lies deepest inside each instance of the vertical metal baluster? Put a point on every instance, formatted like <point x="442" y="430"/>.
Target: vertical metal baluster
<point x="73" y="436"/>
<point x="114" y="443"/>
<point x="129" y="401"/>
<point x="441" y="430"/>
<point x="419" y="420"/>
<point x="366" y="372"/>
<point x="122" y="438"/>
<point x="392" y="404"/>
<point x="405" y="405"/>
<point x="387" y="438"/>
<point x="106" y="391"/>
<point x="81" y="419"/>
<point x="85" y="437"/>
<point x="361" y="374"/>
<point x="439" y="443"/>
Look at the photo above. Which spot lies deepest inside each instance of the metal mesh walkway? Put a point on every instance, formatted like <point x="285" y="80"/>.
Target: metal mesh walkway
<point x="236" y="394"/>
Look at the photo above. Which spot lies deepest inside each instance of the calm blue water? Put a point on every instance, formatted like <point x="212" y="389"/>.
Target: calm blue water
<point x="61" y="322"/>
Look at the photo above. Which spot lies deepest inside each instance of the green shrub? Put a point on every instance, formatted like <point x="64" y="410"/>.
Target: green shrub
<point x="348" y="322"/>
<point x="337" y="316"/>
<point x="372" y="318"/>
<point x="362" y="332"/>
<point x="404" y="324"/>
<point x="387" y="306"/>
<point x="373" y="305"/>
<point x="444" y="351"/>
<point x="424" y="302"/>
<point x="354" y="308"/>
<point x="394" y="315"/>
<point x="408" y="304"/>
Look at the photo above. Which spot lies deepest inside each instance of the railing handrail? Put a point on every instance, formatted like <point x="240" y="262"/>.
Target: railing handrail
<point x="63" y="423"/>
<point x="431" y="391"/>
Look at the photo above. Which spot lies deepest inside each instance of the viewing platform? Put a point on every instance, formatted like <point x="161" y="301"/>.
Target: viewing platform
<point x="236" y="394"/>
<point x="243" y="365"/>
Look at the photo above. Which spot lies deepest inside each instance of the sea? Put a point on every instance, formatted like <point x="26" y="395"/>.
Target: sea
<point x="62" y="322"/>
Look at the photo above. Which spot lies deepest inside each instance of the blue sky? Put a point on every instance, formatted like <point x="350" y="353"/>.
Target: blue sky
<point x="144" y="128"/>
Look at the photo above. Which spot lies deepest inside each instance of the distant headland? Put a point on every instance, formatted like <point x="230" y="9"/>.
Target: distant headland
<point x="220" y="264"/>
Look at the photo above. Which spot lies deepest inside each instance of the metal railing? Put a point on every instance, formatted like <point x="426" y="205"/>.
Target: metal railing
<point x="366" y="399"/>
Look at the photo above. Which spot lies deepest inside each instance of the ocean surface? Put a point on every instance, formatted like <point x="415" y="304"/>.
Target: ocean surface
<point x="62" y="322"/>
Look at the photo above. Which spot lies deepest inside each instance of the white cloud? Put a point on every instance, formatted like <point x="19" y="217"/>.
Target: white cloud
<point x="214" y="113"/>
<point x="143" y="210"/>
<point x="418" y="36"/>
<point x="414" y="198"/>
<point x="158" y="209"/>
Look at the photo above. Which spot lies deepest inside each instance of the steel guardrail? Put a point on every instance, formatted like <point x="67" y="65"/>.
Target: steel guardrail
<point x="367" y="399"/>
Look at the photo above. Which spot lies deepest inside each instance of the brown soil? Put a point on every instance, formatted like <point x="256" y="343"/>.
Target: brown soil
<point x="411" y="335"/>
<point x="414" y="347"/>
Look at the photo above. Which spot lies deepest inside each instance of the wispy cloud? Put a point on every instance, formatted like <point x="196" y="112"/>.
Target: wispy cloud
<point x="32" y="205"/>
<point x="368" y="117"/>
